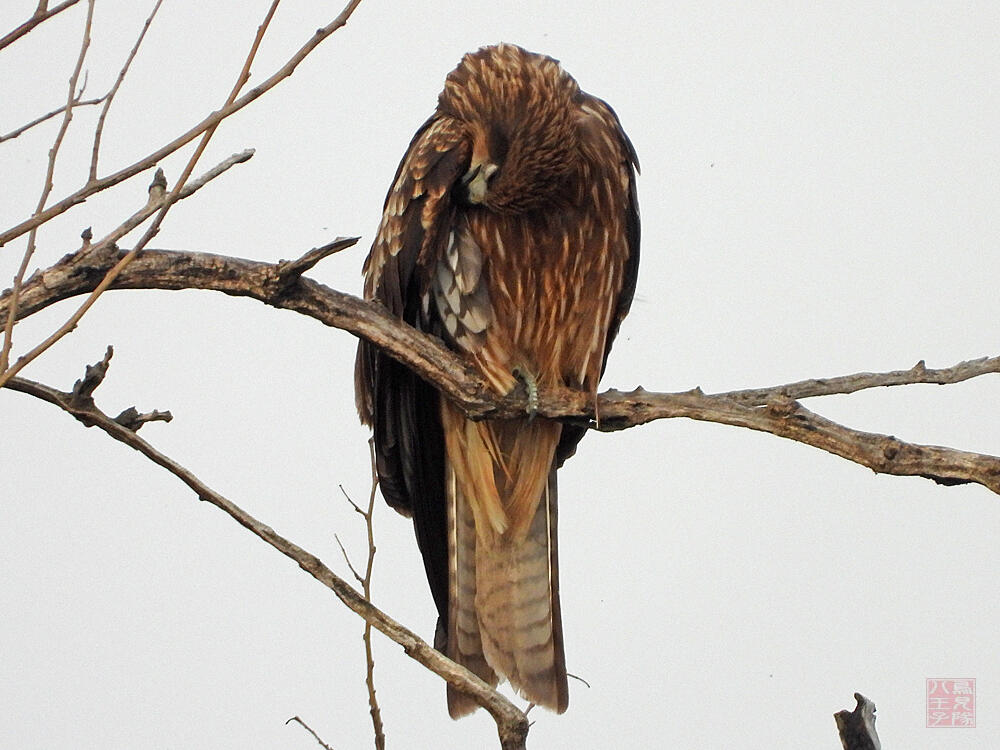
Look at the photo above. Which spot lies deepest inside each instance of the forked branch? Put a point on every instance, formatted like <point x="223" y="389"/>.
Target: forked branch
<point x="368" y="514"/>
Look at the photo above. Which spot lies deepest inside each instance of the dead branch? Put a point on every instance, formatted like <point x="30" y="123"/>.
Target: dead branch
<point x="162" y="202"/>
<point x="774" y="410"/>
<point x="919" y="373"/>
<point x="512" y="724"/>
<point x="157" y="200"/>
<point x="857" y="727"/>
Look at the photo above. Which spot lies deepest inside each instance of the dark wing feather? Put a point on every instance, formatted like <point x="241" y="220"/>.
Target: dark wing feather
<point x="402" y="409"/>
<point x="572" y="434"/>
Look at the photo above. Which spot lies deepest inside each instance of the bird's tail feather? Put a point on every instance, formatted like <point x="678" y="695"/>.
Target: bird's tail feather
<point x="517" y="599"/>
<point x="504" y="616"/>
<point x="464" y="642"/>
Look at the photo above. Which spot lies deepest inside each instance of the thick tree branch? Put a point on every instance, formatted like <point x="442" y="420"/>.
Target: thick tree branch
<point x="512" y="724"/>
<point x="772" y="410"/>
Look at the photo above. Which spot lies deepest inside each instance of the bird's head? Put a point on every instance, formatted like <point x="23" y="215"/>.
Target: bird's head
<point x="520" y="111"/>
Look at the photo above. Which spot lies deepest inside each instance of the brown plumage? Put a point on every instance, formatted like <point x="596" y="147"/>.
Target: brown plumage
<point x="511" y="231"/>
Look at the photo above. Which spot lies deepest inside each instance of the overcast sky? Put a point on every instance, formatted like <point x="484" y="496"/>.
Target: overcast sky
<point x="819" y="196"/>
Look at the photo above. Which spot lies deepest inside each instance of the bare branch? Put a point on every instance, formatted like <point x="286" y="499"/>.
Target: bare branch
<point x="156" y="196"/>
<point x="787" y="418"/>
<point x="366" y="583"/>
<point x="512" y="724"/>
<point x="309" y="729"/>
<point x="96" y="186"/>
<point x="49" y="115"/>
<point x="369" y="515"/>
<point x="13" y="300"/>
<point x="347" y="559"/>
<point x="919" y="373"/>
<point x="357" y="508"/>
<point x="71" y="100"/>
<point x="782" y="416"/>
<point x="291" y="270"/>
<point x="42" y="13"/>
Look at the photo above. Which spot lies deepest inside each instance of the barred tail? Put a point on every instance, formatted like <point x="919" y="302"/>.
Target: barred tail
<point x="504" y="617"/>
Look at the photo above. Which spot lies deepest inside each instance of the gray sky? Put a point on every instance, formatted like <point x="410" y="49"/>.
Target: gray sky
<point x="819" y="196"/>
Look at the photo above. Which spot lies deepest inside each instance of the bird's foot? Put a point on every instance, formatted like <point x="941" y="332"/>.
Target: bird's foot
<point x="531" y="388"/>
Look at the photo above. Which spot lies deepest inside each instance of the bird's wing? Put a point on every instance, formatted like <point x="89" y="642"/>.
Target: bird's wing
<point x="402" y="409"/>
<point x="604" y="117"/>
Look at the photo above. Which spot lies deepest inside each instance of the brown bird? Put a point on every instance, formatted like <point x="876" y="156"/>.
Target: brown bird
<point x="511" y="231"/>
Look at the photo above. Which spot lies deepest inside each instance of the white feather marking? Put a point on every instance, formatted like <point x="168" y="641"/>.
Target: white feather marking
<point x="452" y="252"/>
<point x="477" y="315"/>
<point x="468" y="264"/>
<point x="500" y="250"/>
<point x="454" y="298"/>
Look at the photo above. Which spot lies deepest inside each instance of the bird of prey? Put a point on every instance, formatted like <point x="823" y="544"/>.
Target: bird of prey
<point x="511" y="232"/>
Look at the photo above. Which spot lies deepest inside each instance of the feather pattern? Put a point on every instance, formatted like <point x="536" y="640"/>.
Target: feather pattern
<point x="511" y="231"/>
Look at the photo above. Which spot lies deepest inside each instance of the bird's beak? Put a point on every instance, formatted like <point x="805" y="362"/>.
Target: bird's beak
<point x="476" y="181"/>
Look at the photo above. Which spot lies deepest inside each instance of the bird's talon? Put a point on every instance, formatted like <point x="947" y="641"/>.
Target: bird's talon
<point x="531" y="387"/>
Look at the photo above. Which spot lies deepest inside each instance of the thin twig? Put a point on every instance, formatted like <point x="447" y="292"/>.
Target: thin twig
<point x="96" y="186"/>
<point x="369" y="514"/>
<point x="366" y="583"/>
<point x="357" y="508"/>
<point x="71" y="99"/>
<point x="47" y="116"/>
<point x="309" y="729"/>
<point x="347" y="559"/>
<point x="42" y="13"/>
<point x="109" y="97"/>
